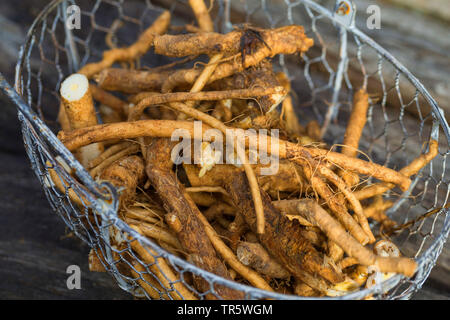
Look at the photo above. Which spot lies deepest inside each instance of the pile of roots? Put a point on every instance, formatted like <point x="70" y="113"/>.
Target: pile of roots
<point x="301" y="229"/>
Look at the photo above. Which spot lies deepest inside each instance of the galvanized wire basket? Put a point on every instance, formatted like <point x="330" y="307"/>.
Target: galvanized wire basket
<point x="401" y="120"/>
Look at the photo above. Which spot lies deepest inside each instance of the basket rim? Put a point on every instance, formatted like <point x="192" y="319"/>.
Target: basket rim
<point x="108" y="208"/>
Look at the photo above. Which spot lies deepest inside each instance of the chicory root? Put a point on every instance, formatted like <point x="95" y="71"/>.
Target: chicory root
<point x="355" y="126"/>
<point x="317" y="215"/>
<point x="108" y="153"/>
<point x="202" y="79"/>
<point x="212" y="214"/>
<point x="290" y="118"/>
<point x="294" y="39"/>
<point x="147" y="282"/>
<point x="348" y="163"/>
<point x="77" y="100"/>
<point x="354" y="203"/>
<point x="157" y="233"/>
<point x="284" y="149"/>
<point x="125" y="174"/>
<point x="140" y="214"/>
<point x="108" y="99"/>
<point x="376" y="211"/>
<point x="335" y="252"/>
<point x="131" y="81"/>
<point x="283" y="238"/>
<point x="161" y="270"/>
<point x="227" y="254"/>
<point x="63" y="120"/>
<point x="207" y="189"/>
<point x="289" y="208"/>
<point x="286" y="40"/>
<point x="96" y="263"/>
<point x="201" y="13"/>
<point x="347" y="262"/>
<point x="109" y="115"/>
<point x="108" y="161"/>
<point x="413" y="168"/>
<point x="217" y="210"/>
<point x="79" y="108"/>
<point x="192" y="236"/>
<point x="254" y="187"/>
<point x="165" y="98"/>
<point x="337" y="206"/>
<point x="255" y="256"/>
<point x="65" y="188"/>
<point x="302" y="289"/>
<point x="287" y="178"/>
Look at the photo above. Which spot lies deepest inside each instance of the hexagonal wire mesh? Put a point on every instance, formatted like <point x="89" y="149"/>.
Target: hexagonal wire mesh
<point x="343" y="58"/>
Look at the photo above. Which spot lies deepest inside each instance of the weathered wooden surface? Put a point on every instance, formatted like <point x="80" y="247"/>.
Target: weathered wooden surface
<point x="435" y="8"/>
<point x="34" y="251"/>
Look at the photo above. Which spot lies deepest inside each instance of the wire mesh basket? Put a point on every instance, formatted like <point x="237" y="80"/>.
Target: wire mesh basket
<point x="401" y="120"/>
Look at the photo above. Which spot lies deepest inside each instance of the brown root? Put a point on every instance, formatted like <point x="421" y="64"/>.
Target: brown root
<point x="108" y="153"/>
<point x="354" y="131"/>
<point x="157" y="233"/>
<point x="148" y="282"/>
<point x="110" y="160"/>
<point x="125" y="174"/>
<point x="283" y="239"/>
<point x="303" y="290"/>
<point x="96" y="261"/>
<point x="192" y="236"/>
<point x="76" y="98"/>
<point x="131" y="81"/>
<point x="336" y="205"/>
<point x="287" y="40"/>
<point x="351" y="164"/>
<point x="162" y="270"/>
<point x="413" y="168"/>
<point x="284" y="149"/>
<point x="287" y="179"/>
<point x="108" y="99"/>
<point x="376" y="211"/>
<point x="290" y="118"/>
<point x="156" y="99"/>
<point x="202" y="15"/>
